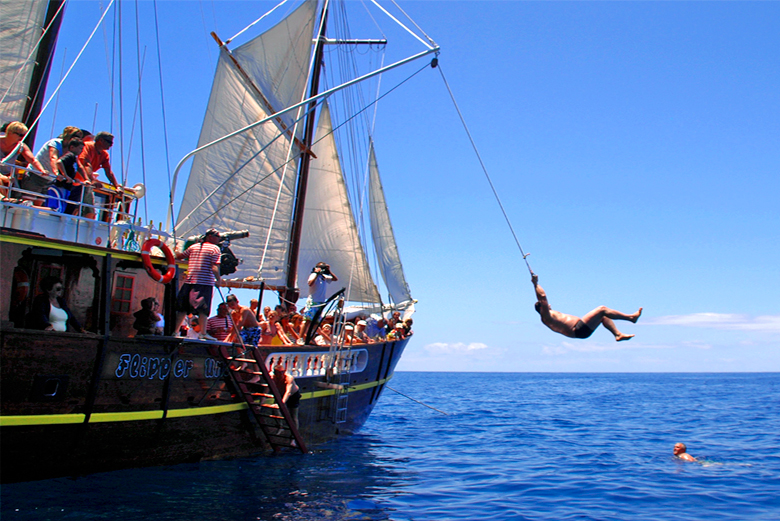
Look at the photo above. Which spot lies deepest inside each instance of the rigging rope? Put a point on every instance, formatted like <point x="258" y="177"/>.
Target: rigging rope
<point x="240" y="194"/>
<point x="165" y="126"/>
<point x="484" y="169"/>
<point x="416" y="401"/>
<point x="54" y="94"/>
<point x="33" y="49"/>
<point x="140" y="107"/>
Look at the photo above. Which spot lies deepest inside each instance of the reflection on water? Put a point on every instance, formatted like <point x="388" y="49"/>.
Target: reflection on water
<point x="338" y="481"/>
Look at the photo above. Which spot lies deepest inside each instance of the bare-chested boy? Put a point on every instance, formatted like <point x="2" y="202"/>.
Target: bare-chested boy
<point x="245" y="321"/>
<point x="575" y="327"/>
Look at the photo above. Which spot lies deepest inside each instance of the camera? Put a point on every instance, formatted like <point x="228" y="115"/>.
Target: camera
<point x="224" y="238"/>
<point x="228" y="262"/>
<point x="233" y="236"/>
<point x="323" y="270"/>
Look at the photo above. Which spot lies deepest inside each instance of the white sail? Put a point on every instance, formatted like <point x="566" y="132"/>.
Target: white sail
<point x="329" y="230"/>
<point x="21" y="27"/>
<point x="384" y="239"/>
<point x="233" y="185"/>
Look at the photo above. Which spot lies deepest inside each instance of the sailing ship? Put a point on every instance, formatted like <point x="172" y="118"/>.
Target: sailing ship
<point x="267" y="162"/>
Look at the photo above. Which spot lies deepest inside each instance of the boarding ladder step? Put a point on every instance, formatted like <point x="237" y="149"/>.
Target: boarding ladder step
<point x="341" y="396"/>
<point x="270" y="413"/>
<point x="341" y="356"/>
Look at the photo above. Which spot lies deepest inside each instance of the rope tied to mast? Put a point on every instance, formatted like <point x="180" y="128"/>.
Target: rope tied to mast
<point x="484" y="168"/>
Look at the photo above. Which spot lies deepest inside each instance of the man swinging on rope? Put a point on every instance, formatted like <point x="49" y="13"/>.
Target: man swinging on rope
<point x="575" y="327"/>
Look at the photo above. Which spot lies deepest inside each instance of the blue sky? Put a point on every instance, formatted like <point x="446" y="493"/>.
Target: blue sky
<point x="635" y="147"/>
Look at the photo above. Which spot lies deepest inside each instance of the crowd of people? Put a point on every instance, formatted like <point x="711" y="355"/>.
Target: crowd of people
<point x="70" y="162"/>
<point x="285" y="326"/>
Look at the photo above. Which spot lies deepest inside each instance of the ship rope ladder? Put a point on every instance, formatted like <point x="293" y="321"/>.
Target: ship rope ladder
<point x="253" y="382"/>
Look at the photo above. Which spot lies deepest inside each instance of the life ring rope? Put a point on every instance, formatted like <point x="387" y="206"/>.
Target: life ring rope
<point x="147" y="260"/>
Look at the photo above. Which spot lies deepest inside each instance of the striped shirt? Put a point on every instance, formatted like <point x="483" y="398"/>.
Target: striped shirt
<point x="219" y="327"/>
<point x="202" y="257"/>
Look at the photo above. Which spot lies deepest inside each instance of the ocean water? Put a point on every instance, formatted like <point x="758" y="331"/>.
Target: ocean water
<point x="510" y="446"/>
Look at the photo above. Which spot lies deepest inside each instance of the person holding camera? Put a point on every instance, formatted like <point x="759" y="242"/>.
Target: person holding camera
<point x="202" y="275"/>
<point x="318" y="282"/>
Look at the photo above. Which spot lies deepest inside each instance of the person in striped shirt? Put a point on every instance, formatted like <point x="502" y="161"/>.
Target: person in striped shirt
<point x="220" y="325"/>
<point x="202" y="275"/>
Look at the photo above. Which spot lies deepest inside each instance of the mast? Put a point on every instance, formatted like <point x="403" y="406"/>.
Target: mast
<point x="290" y="294"/>
<point x="40" y="74"/>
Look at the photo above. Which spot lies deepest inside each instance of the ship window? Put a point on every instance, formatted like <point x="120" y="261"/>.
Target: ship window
<point x="123" y="294"/>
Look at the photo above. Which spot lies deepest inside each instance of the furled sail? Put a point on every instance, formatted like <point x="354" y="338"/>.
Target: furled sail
<point x="329" y="230"/>
<point x="384" y="239"/>
<point x="248" y="182"/>
<point x="21" y="26"/>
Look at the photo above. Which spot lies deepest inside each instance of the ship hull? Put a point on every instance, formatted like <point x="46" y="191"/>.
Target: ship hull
<point x="77" y="403"/>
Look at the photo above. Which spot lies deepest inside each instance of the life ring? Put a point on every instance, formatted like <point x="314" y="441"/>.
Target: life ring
<point x="150" y="270"/>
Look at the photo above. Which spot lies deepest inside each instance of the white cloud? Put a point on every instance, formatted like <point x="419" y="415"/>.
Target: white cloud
<point x="727" y="321"/>
<point x="439" y="348"/>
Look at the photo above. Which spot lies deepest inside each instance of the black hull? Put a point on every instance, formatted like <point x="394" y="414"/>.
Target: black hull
<point x="77" y="403"/>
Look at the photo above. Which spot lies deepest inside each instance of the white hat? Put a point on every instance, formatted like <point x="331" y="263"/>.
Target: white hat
<point x="361" y="323"/>
<point x="349" y="326"/>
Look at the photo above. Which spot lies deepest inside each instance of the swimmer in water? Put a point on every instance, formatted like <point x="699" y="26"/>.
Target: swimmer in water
<point x="680" y="452"/>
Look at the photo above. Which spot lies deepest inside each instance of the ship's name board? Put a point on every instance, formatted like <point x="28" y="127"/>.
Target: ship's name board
<point x="136" y="366"/>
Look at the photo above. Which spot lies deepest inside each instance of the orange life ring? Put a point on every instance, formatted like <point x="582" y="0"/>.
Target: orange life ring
<point x="153" y="273"/>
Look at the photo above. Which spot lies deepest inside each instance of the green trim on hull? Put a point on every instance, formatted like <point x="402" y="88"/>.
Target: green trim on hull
<point x="108" y="417"/>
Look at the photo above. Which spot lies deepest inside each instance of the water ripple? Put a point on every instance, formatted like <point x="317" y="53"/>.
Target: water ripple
<point x="531" y="446"/>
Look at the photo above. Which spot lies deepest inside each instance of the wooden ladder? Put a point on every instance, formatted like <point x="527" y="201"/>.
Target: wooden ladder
<point x="252" y="380"/>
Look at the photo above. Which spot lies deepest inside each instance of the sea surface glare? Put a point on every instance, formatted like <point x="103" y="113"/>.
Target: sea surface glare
<point x="512" y="446"/>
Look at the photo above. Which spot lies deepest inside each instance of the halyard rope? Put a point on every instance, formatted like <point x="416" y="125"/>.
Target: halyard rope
<point x="484" y="169"/>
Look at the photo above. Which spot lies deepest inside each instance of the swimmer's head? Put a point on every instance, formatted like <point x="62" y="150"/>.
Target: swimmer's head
<point x="679" y="448"/>
<point x="537" y="307"/>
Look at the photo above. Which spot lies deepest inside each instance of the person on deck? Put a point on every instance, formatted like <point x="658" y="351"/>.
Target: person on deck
<point x="575" y="327"/>
<point x="680" y="451"/>
<point x="244" y="318"/>
<point x="318" y="282"/>
<point x="220" y="326"/>
<point x="55" y="148"/>
<point x="95" y="156"/>
<point x="11" y="147"/>
<point x="81" y="198"/>
<point x="360" y="336"/>
<point x="202" y="275"/>
<point x="324" y="338"/>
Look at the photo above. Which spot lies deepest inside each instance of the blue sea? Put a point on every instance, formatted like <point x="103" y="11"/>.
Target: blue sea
<point x="495" y="447"/>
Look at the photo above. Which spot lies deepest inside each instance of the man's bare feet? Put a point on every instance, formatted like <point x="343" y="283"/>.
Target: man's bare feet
<point x="636" y="316"/>
<point x="621" y="337"/>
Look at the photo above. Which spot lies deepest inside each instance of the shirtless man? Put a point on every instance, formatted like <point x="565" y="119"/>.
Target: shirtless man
<point x="575" y="327"/>
<point x="245" y="321"/>
<point x="680" y="452"/>
<point x="291" y="393"/>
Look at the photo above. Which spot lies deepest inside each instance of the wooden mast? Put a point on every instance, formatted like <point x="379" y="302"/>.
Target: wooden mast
<point x="290" y="293"/>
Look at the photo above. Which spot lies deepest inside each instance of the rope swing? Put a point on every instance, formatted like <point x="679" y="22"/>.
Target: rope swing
<point x="484" y="169"/>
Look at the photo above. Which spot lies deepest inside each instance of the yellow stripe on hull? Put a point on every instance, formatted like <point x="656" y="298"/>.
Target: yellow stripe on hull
<point x="108" y="417"/>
